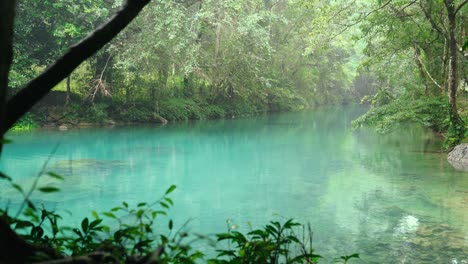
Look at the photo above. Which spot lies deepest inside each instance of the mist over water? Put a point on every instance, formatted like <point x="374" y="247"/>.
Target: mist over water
<point x="392" y="198"/>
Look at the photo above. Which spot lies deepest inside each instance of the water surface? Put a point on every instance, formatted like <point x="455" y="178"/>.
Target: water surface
<point x="392" y="198"/>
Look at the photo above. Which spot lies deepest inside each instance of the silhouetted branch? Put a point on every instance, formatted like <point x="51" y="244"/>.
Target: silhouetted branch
<point x="13" y="249"/>
<point x="24" y="100"/>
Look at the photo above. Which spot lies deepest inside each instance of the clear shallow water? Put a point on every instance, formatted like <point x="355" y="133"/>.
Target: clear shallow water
<point x="389" y="198"/>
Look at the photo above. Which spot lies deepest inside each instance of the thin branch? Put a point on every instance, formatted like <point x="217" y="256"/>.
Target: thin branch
<point x="432" y="22"/>
<point x="427" y="72"/>
<point x="359" y="20"/>
<point x="34" y="91"/>
<point x="460" y="6"/>
<point x="34" y="185"/>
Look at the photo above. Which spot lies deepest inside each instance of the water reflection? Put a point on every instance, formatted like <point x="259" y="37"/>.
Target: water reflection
<point x="392" y="198"/>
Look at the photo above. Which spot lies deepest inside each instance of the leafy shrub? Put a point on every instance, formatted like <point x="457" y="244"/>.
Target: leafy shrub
<point x="27" y="122"/>
<point x="135" y="114"/>
<point x="97" y="113"/>
<point x="213" y="111"/>
<point x="132" y="236"/>
<point x="240" y="106"/>
<point x="177" y="109"/>
<point x="430" y="112"/>
<point x="285" y="100"/>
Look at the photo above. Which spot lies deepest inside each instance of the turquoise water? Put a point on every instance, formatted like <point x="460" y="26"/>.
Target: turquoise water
<point x="392" y="198"/>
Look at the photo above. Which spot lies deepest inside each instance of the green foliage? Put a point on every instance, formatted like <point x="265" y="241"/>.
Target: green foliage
<point x="240" y="106"/>
<point x="180" y="109"/>
<point x="130" y="234"/>
<point x="123" y="240"/>
<point x="26" y="123"/>
<point x="281" y="99"/>
<point x="456" y="131"/>
<point x="275" y="243"/>
<point x="139" y="114"/>
<point x="97" y="112"/>
<point x="213" y="111"/>
<point x="430" y="112"/>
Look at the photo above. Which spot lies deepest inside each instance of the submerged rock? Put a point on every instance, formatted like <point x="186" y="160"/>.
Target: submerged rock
<point x="407" y="224"/>
<point x="458" y="157"/>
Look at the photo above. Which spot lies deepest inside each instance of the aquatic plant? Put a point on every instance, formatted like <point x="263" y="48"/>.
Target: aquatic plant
<point x="133" y="234"/>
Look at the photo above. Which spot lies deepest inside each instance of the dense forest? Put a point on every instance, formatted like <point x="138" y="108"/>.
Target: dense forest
<point x="184" y="60"/>
<point x="405" y="60"/>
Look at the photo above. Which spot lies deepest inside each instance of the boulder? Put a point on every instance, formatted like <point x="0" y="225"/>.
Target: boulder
<point x="458" y="157"/>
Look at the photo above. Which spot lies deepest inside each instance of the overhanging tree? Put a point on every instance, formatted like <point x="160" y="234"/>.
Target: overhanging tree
<point x="12" y="109"/>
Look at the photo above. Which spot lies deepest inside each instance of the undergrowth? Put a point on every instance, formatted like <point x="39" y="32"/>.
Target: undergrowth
<point x="136" y="234"/>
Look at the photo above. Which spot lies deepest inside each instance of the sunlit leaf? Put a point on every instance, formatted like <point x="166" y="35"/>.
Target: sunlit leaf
<point x="110" y="215"/>
<point x="170" y="189"/>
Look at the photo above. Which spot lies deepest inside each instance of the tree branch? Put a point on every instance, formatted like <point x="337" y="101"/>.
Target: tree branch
<point x="359" y="20"/>
<point x="460" y="6"/>
<point x="24" y="100"/>
<point x="432" y="22"/>
<point x="426" y="71"/>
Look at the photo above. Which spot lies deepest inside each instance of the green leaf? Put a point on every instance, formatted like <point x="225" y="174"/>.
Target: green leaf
<point x="115" y="209"/>
<point x="224" y="236"/>
<point x="17" y="187"/>
<point x="23" y="224"/>
<point x="31" y="205"/>
<point x="160" y="212"/>
<point x="84" y="225"/>
<point x="110" y="215"/>
<point x="95" y="215"/>
<point x="169" y="200"/>
<point x="141" y="204"/>
<point x="5" y="177"/>
<point x="170" y="189"/>
<point x="163" y="204"/>
<point x="48" y="189"/>
<point x="5" y="141"/>
<point x="171" y="224"/>
<point x="55" y="176"/>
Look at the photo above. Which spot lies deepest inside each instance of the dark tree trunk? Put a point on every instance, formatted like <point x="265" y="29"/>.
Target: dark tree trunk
<point x="7" y="14"/>
<point x="444" y="68"/>
<point x="67" y="99"/>
<point x="453" y="77"/>
<point x="188" y="85"/>
<point x="163" y="76"/>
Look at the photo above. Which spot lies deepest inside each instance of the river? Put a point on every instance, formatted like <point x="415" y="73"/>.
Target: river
<point x="391" y="198"/>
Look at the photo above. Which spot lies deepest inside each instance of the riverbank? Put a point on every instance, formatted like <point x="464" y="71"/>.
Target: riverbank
<point x="105" y="112"/>
<point x="52" y="112"/>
